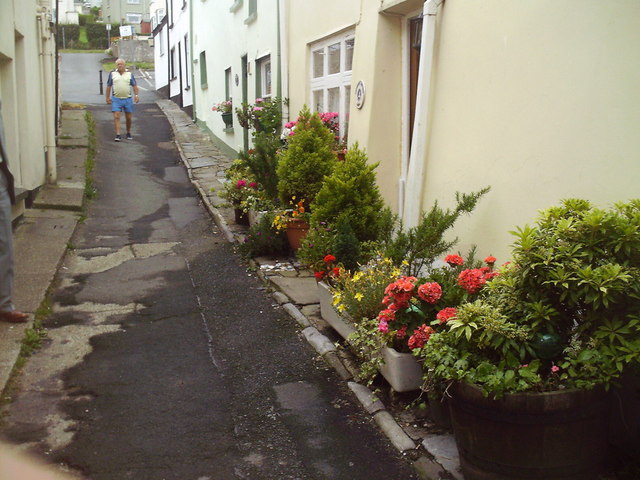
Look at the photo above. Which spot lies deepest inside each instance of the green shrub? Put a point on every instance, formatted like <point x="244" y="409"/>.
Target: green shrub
<point x="351" y="193"/>
<point x="264" y="239"/>
<point x="420" y="246"/>
<point x="307" y="160"/>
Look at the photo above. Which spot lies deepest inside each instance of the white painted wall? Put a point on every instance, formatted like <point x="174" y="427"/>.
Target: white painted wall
<point x="222" y="33"/>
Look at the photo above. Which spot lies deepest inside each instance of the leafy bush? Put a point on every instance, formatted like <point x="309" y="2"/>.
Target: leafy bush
<point x="351" y="193"/>
<point x="421" y="245"/>
<point x="307" y="160"/>
<point x="264" y="239"/>
<point x="563" y="314"/>
<point x="351" y="198"/>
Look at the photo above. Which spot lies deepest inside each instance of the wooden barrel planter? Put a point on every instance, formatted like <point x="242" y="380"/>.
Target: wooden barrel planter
<point x="552" y="436"/>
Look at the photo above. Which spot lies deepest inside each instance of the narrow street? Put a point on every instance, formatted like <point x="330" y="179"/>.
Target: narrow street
<point x="165" y="358"/>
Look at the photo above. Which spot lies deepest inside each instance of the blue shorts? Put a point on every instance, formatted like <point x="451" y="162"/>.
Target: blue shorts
<point x="119" y="104"/>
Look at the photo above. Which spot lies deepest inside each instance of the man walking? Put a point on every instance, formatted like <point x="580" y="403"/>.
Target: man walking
<point x="121" y="81"/>
<point x="8" y="312"/>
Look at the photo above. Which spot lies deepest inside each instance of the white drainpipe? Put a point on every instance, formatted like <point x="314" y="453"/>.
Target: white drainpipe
<point x="47" y="52"/>
<point x="414" y="187"/>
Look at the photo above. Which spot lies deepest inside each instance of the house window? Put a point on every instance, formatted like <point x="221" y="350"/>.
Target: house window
<point x="331" y="65"/>
<point x="161" y="43"/>
<point x="227" y="83"/>
<point x="263" y="79"/>
<point x="172" y="63"/>
<point x="203" y="69"/>
<point x="186" y="63"/>
<point x="160" y="13"/>
<point x="253" y="12"/>
<point x="134" y="18"/>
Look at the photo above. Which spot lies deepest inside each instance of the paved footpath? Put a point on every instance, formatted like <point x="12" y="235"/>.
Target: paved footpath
<point x="166" y="359"/>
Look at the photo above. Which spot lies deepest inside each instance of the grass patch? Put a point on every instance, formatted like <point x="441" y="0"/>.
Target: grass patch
<point x="90" y="190"/>
<point x="31" y="343"/>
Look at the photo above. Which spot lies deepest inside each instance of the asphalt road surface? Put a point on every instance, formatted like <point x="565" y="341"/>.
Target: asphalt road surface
<point x="165" y="359"/>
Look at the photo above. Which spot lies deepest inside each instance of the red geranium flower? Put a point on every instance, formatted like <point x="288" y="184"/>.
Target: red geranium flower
<point x="329" y="258"/>
<point x="472" y="279"/>
<point x="430" y="292"/>
<point x="420" y="337"/>
<point x="446" y="314"/>
<point x="319" y="275"/>
<point x="402" y="332"/>
<point x="454" y="259"/>
<point x="490" y="260"/>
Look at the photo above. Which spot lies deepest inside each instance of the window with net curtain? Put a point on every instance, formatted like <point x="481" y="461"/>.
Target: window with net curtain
<point x="331" y="65"/>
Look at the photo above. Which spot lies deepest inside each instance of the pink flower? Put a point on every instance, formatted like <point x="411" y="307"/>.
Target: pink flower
<point x="258" y="109"/>
<point x="555" y="369"/>
<point x="420" y="336"/>
<point x="446" y="314"/>
<point x="430" y="292"/>
<point x="241" y="183"/>
<point x="290" y="125"/>
<point x="253" y="185"/>
<point x="383" y="326"/>
<point x="454" y="259"/>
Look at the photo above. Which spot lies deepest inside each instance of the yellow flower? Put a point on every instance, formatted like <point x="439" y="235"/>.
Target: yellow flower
<point x="341" y="308"/>
<point x="358" y="296"/>
<point x="357" y="276"/>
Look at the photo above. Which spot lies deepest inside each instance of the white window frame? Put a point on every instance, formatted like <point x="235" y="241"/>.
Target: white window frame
<point x="340" y="80"/>
<point x="133" y="2"/>
<point x="261" y="65"/>
<point x="134" y="18"/>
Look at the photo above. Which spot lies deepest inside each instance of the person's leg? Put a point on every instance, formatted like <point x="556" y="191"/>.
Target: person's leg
<point x="116" y="119"/>
<point x="128" y="117"/>
<point x="6" y="248"/>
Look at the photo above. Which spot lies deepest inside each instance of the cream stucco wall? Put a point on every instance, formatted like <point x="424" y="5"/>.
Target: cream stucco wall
<point x="538" y="99"/>
<point x="378" y="62"/>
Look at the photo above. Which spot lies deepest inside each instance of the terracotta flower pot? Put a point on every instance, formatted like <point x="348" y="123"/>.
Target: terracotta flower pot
<point x="296" y="230"/>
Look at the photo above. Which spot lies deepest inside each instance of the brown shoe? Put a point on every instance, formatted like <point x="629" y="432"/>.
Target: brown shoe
<point x="14" y="317"/>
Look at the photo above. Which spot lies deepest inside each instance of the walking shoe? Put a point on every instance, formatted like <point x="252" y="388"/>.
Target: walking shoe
<point x="118" y="138"/>
<point x="129" y="137"/>
<point x="14" y="317"/>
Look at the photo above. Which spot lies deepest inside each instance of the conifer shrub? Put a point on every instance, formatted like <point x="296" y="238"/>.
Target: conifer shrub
<point x="307" y="160"/>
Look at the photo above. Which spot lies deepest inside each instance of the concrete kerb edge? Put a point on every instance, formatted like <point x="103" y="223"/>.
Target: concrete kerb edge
<point x="387" y="424"/>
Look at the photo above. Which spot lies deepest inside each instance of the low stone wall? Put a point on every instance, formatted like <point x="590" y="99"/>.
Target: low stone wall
<point x="133" y="50"/>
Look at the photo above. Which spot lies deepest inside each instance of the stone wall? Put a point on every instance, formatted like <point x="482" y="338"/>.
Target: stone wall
<point x="133" y="50"/>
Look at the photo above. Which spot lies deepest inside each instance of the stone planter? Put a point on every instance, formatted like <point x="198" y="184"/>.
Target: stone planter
<point x="330" y="315"/>
<point x="401" y="370"/>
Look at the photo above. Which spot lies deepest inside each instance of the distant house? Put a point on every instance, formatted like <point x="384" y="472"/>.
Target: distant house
<point x="126" y="12"/>
<point x="172" y="51"/>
